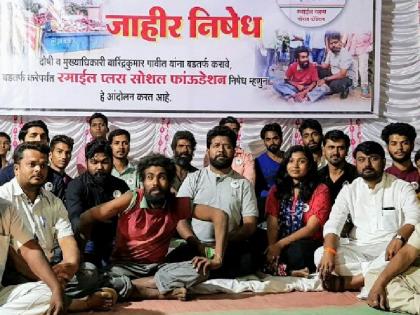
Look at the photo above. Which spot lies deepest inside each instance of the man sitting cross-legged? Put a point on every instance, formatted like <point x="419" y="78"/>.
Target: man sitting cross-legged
<point x="383" y="209"/>
<point x="147" y="220"/>
<point x="48" y="221"/>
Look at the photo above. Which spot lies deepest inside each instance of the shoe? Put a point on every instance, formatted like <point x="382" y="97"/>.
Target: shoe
<point x="345" y="93"/>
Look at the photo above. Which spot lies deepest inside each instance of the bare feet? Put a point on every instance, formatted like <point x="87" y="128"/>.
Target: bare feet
<point x="102" y="300"/>
<point x="302" y="273"/>
<point x="180" y="294"/>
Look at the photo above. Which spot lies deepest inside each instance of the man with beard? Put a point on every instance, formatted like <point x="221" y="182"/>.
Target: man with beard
<point x="147" y="220"/>
<point x="243" y="161"/>
<point x="219" y="186"/>
<point x="311" y="133"/>
<point x="92" y="188"/>
<point x="183" y="145"/>
<point x="300" y="83"/>
<point x="48" y="221"/>
<point x="119" y="140"/>
<point x="337" y="172"/>
<point x="268" y="163"/>
<point x="338" y="70"/>
<point x="399" y="138"/>
<point x="384" y="211"/>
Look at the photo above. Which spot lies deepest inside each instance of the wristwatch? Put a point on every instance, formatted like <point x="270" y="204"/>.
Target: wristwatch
<point x="400" y="237"/>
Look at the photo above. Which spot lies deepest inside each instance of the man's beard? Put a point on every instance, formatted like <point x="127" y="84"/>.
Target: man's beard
<point x="403" y="159"/>
<point x="373" y="175"/>
<point x="336" y="162"/>
<point x="157" y="200"/>
<point x="274" y="148"/>
<point x="100" y="178"/>
<point x="221" y="162"/>
<point x="314" y="148"/>
<point x="183" y="160"/>
<point x="304" y="65"/>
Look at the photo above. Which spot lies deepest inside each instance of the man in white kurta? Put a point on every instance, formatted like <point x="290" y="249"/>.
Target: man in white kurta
<point x="383" y="210"/>
<point x="31" y="298"/>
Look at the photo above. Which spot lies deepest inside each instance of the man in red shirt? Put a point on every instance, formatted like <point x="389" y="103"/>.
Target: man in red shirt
<point x="300" y="79"/>
<point x="147" y="220"/>
<point x="399" y="138"/>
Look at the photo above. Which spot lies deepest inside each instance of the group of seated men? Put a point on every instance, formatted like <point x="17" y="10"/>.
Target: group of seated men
<point x="82" y="244"/>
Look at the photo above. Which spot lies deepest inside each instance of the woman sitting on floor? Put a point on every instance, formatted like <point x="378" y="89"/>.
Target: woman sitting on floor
<point x="297" y="207"/>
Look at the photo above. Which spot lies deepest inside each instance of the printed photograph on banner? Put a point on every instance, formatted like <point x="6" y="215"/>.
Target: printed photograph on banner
<point x="274" y="58"/>
<point x="321" y="52"/>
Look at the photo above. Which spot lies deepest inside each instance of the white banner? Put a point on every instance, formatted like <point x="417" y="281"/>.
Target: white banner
<point x="183" y="58"/>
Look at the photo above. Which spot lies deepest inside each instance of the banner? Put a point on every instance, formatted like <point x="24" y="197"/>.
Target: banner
<point x="271" y="58"/>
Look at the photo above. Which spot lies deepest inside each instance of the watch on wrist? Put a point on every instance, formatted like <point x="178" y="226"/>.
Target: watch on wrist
<point x="400" y="237"/>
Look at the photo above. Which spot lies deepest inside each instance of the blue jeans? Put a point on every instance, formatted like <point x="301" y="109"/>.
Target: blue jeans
<point x="287" y="90"/>
<point x="318" y="55"/>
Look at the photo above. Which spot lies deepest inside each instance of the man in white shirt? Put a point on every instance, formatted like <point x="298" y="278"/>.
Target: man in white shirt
<point x="384" y="211"/>
<point x="32" y="298"/>
<point x="46" y="217"/>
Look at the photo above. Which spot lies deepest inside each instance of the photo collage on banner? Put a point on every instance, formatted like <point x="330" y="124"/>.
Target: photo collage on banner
<point x="277" y="58"/>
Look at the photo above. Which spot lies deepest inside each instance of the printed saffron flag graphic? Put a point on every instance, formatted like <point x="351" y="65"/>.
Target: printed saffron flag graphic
<point x="277" y="57"/>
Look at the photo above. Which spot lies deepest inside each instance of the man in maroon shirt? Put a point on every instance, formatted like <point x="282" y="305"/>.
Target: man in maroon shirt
<point x="399" y="138"/>
<point x="147" y="220"/>
<point x="300" y="79"/>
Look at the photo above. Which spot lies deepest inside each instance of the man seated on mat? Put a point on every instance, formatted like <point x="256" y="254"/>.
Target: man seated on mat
<point x="147" y="220"/>
<point x="397" y="288"/>
<point x="218" y="185"/>
<point x="48" y="221"/>
<point x="384" y="211"/>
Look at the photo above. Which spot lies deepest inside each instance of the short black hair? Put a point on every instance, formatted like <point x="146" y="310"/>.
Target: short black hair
<point x="333" y="35"/>
<point x="156" y="159"/>
<point x="98" y="115"/>
<point x="335" y="135"/>
<point x="185" y="135"/>
<point x="402" y="129"/>
<point x="40" y="147"/>
<point x="118" y="132"/>
<point x="98" y="146"/>
<point x="310" y="123"/>
<point x="61" y="138"/>
<point x="417" y="156"/>
<point x="369" y="148"/>
<point x="274" y="127"/>
<point x="300" y="50"/>
<point x="229" y="120"/>
<point x="34" y="123"/>
<point x="221" y="131"/>
<point x="5" y="135"/>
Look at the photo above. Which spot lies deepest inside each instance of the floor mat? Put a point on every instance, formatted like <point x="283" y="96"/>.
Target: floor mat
<point x="295" y="303"/>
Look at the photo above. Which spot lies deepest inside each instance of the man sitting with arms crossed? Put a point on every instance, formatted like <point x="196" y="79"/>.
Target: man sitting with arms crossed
<point x="383" y="209"/>
<point x="49" y="222"/>
<point x="147" y="220"/>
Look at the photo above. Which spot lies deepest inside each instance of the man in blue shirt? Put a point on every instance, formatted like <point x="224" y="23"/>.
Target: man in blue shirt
<point x="268" y="163"/>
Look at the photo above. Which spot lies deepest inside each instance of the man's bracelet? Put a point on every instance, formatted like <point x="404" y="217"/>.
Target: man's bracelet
<point x="330" y="250"/>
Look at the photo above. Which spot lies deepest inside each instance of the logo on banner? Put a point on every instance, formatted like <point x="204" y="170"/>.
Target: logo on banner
<point x="311" y="13"/>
